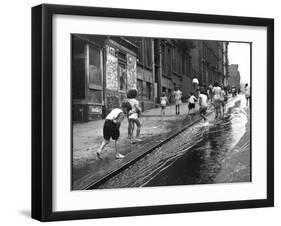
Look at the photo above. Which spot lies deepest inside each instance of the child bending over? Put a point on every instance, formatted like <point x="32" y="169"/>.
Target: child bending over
<point x="111" y="128"/>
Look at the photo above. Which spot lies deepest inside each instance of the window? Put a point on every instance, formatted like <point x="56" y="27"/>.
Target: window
<point x="174" y="59"/>
<point x="95" y="75"/>
<point x="164" y="69"/>
<point x="167" y="60"/>
<point x="144" y="52"/>
<point x="140" y="88"/>
<point x="183" y="64"/>
<point x="148" y="91"/>
<point x="178" y="61"/>
<point x="148" y="55"/>
<point x="122" y="56"/>
<point x="140" y="50"/>
<point x="78" y="68"/>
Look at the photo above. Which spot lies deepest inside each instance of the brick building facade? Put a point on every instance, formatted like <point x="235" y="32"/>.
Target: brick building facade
<point x="104" y="68"/>
<point x="234" y="76"/>
<point x="209" y="61"/>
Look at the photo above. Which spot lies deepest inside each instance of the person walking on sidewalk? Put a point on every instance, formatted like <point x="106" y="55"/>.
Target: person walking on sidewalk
<point x="134" y="115"/>
<point x="191" y="103"/>
<point x="177" y="96"/>
<point x="111" y="128"/>
<point x="163" y="102"/>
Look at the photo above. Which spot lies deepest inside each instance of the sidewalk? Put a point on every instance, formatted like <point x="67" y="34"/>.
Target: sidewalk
<point x="87" y="137"/>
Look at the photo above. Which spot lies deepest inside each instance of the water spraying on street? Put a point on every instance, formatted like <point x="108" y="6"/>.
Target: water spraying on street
<point x="205" y="153"/>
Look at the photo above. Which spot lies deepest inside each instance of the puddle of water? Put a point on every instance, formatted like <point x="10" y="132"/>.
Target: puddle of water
<point x="193" y="157"/>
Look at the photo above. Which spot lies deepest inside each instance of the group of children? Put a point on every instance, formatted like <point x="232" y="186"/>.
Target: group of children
<point x="202" y="98"/>
<point x="164" y="101"/>
<point x="215" y="95"/>
<point x="203" y="103"/>
<point x="131" y="109"/>
<point x="111" y="127"/>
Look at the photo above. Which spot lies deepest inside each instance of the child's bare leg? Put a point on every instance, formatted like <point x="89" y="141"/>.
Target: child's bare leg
<point x="130" y="129"/>
<point x="104" y="143"/>
<point x="216" y="112"/>
<point x="204" y="117"/>
<point x="138" y="128"/>
<point x="117" y="154"/>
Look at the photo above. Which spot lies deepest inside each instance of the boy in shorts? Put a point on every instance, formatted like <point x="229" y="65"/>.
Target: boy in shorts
<point x="191" y="102"/>
<point x="111" y="128"/>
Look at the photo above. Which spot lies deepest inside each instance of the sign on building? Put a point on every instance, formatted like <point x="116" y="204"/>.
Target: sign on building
<point x="111" y="70"/>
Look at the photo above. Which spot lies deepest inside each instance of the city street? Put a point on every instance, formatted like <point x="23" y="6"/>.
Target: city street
<point x="87" y="137"/>
<point x="175" y="150"/>
<point x="218" y="153"/>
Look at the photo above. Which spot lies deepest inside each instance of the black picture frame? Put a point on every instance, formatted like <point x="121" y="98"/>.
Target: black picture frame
<point x="42" y="108"/>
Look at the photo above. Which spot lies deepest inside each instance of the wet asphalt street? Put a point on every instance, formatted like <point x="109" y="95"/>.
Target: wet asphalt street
<point x="217" y="152"/>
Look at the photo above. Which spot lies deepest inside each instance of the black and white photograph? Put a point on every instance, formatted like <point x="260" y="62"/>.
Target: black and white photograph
<point x="150" y="112"/>
<point x="141" y="112"/>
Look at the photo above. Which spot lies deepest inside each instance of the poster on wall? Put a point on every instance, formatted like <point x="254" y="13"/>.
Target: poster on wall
<point x="111" y="71"/>
<point x="131" y="72"/>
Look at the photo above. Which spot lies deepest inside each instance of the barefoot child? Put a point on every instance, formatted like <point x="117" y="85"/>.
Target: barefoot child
<point x="217" y="99"/>
<point x="111" y="128"/>
<point x="177" y="95"/>
<point x="203" y="103"/>
<point x="134" y="115"/>
<point x="163" y="101"/>
<point x="191" y="102"/>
